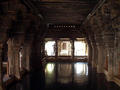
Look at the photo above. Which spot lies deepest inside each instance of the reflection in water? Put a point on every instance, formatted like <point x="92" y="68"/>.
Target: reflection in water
<point x="65" y="76"/>
<point x="81" y="73"/>
<point x="50" y="73"/>
<point x="50" y="68"/>
<point x="81" y="69"/>
<point x="64" y="73"/>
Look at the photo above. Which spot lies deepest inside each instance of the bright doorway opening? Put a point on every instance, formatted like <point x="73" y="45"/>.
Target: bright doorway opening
<point x="64" y="48"/>
<point x="50" y="48"/>
<point x="80" y="48"/>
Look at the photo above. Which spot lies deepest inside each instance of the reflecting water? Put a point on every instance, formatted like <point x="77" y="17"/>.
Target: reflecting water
<point x="57" y="76"/>
<point x="50" y="73"/>
<point x="66" y="73"/>
<point x="81" y="73"/>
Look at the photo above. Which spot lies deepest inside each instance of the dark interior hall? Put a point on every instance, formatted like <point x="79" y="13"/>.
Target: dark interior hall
<point x="59" y="44"/>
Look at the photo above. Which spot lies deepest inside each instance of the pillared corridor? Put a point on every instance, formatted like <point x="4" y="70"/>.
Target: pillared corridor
<point x="59" y="44"/>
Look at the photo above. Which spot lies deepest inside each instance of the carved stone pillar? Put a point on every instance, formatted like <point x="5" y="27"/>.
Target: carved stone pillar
<point x="101" y="58"/>
<point x="17" y="61"/>
<point x="109" y="44"/>
<point x="94" y="53"/>
<point x="1" y="68"/>
<point x="24" y="54"/>
<point x="117" y="53"/>
<point x="10" y="57"/>
<point x="27" y="56"/>
<point x="18" y="40"/>
<point x="23" y="58"/>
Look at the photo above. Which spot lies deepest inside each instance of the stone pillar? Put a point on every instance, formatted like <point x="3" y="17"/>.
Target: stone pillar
<point x="72" y="41"/>
<point x="1" y="68"/>
<point x="10" y="57"/>
<point x="94" y="53"/>
<point x="17" y="61"/>
<point x="56" y="48"/>
<point x="43" y="48"/>
<point x="109" y="44"/>
<point x="27" y="56"/>
<point x="23" y="51"/>
<point x="101" y="58"/>
<point x="89" y="52"/>
<point x="117" y="54"/>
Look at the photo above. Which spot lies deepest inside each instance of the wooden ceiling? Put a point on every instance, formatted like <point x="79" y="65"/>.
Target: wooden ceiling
<point x="64" y="11"/>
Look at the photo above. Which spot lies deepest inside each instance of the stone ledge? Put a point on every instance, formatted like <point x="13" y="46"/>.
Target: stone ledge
<point x="116" y="80"/>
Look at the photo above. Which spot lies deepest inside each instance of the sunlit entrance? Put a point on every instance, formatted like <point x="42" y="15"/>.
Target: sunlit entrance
<point x="64" y="48"/>
<point x="81" y="48"/>
<point x="50" y="48"/>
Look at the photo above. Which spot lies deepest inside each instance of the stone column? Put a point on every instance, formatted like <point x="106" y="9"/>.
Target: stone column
<point x="72" y="41"/>
<point x="43" y="48"/>
<point x="94" y="53"/>
<point x="27" y="56"/>
<point x="10" y="57"/>
<point x="89" y="52"/>
<point x="56" y="48"/>
<point x="23" y="58"/>
<point x="1" y="68"/>
<point x="109" y="44"/>
<point x="17" y="61"/>
<point x="101" y="57"/>
<point x="116" y="64"/>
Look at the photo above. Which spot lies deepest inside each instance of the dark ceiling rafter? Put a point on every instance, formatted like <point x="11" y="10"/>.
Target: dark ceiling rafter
<point x="64" y="11"/>
<point x="33" y="8"/>
<point x="70" y="2"/>
<point x="99" y="4"/>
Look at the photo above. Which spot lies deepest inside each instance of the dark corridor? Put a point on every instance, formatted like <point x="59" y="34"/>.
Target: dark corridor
<point x="65" y="76"/>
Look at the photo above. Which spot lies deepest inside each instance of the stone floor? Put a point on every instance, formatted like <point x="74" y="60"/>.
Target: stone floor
<point x="64" y="76"/>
